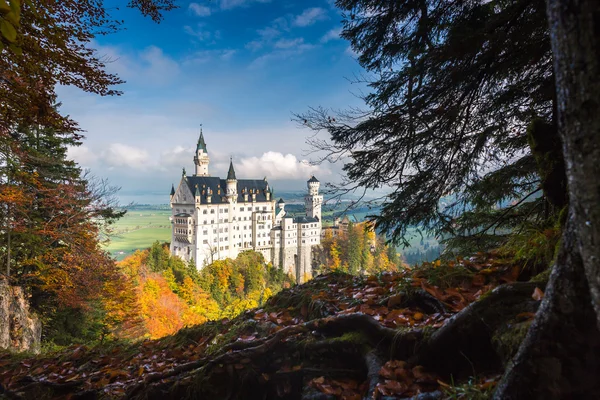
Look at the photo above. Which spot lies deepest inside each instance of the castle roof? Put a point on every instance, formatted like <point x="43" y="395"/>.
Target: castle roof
<point x="201" y="143"/>
<point x="217" y="188"/>
<point x="231" y="173"/>
<point x="305" y="220"/>
<point x="172" y="190"/>
<point x="313" y="179"/>
<point x="281" y="201"/>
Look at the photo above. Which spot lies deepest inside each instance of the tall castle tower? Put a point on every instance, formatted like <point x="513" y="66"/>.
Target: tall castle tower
<point x="201" y="159"/>
<point x="313" y="200"/>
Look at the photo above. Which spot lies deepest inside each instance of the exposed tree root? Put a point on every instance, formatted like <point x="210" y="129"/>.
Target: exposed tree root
<point x="549" y="364"/>
<point x="354" y="344"/>
<point x="464" y="343"/>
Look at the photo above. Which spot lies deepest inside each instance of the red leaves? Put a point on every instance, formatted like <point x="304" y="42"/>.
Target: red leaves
<point x="400" y="379"/>
<point x="346" y="389"/>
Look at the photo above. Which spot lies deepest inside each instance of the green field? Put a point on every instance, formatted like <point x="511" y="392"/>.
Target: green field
<point x="138" y="229"/>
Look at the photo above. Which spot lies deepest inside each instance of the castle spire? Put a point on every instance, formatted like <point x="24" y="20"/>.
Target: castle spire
<point x="231" y="173"/>
<point x="201" y="159"/>
<point x="201" y="143"/>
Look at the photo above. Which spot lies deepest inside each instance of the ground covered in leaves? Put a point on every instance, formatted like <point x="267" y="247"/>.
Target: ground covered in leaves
<point x="444" y="330"/>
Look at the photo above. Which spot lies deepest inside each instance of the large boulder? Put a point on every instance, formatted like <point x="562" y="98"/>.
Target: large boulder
<point x="20" y="329"/>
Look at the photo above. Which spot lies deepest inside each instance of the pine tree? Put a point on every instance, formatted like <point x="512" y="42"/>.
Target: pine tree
<point x="460" y="113"/>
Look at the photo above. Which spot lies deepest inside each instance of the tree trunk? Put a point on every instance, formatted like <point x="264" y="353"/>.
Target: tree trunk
<point x="575" y="32"/>
<point x="560" y="357"/>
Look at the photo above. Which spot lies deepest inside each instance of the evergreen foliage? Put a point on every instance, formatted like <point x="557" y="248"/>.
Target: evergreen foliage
<point x="454" y="87"/>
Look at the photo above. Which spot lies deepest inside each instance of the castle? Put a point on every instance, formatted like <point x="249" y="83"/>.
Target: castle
<point x="213" y="219"/>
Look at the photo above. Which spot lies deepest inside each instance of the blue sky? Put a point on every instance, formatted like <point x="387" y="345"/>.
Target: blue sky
<point x="239" y="67"/>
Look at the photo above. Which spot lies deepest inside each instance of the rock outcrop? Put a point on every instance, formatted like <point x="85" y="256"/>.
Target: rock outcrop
<point x="20" y="329"/>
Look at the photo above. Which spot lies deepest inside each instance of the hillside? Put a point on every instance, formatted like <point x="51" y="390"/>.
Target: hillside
<point x="445" y="329"/>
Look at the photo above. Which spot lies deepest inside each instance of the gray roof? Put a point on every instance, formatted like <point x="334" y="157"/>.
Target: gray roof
<point x="201" y="143"/>
<point x="217" y="188"/>
<point x="172" y="190"/>
<point x="313" y="179"/>
<point x="281" y="201"/>
<point x="305" y="220"/>
<point x="231" y="173"/>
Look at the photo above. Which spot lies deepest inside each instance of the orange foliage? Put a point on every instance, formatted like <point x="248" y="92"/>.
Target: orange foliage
<point x="162" y="311"/>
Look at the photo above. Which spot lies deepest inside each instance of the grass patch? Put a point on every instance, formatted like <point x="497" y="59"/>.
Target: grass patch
<point x="138" y="229"/>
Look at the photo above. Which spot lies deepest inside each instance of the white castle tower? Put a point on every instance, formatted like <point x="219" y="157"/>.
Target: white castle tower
<point x="313" y="200"/>
<point x="201" y="159"/>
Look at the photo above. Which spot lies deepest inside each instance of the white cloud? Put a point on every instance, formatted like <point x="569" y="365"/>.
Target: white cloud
<point x="198" y="32"/>
<point x="150" y="66"/>
<point x="125" y="156"/>
<point x="288" y="43"/>
<point x="310" y="16"/>
<point x="229" y="4"/>
<point x="159" y="67"/>
<point x="350" y="52"/>
<point x="333" y="34"/>
<point x="275" y="165"/>
<point x="199" y="10"/>
<point x="268" y="33"/>
<point x="82" y="155"/>
<point x="205" y="56"/>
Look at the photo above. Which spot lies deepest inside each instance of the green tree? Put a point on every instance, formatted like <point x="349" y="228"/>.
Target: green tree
<point x="354" y="249"/>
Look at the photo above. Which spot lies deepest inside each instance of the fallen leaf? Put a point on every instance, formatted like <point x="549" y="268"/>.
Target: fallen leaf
<point x="537" y="294"/>
<point x="394" y="301"/>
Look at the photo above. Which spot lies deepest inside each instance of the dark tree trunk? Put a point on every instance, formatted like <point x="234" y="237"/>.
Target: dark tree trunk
<point x="560" y="357"/>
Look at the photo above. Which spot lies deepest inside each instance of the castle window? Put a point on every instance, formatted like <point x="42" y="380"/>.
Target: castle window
<point x="205" y="232"/>
<point x="204" y="222"/>
<point x="205" y="241"/>
<point x="204" y="212"/>
<point x="212" y="211"/>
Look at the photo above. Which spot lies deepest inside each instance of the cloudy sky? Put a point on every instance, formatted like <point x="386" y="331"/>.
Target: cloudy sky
<point x="240" y="68"/>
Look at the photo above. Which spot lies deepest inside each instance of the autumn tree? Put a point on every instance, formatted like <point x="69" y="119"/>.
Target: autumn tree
<point x="45" y="44"/>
